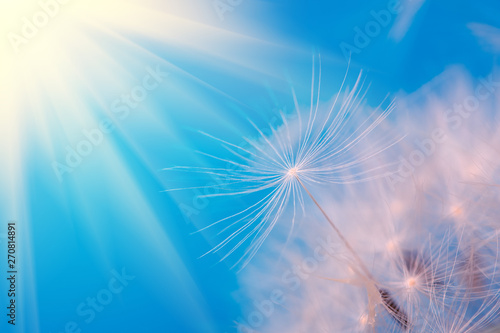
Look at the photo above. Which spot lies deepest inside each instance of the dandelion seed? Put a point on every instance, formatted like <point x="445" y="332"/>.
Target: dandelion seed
<point x="396" y="312"/>
<point x="272" y="174"/>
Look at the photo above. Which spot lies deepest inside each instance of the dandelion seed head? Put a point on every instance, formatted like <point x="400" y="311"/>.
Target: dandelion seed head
<point x="456" y="211"/>
<point x="293" y="172"/>
<point x="398" y="207"/>
<point x="436" y="253"/>
<point x="392" y="246"/>
<point x="412" y="282"/>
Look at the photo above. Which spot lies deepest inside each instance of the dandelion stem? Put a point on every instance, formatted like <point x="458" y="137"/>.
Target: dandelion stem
<point x="341" y="236"/>
<point x="389" y="303"/>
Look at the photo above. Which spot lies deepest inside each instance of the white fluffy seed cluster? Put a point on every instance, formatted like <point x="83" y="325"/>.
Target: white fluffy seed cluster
<point x="427" y="231"/>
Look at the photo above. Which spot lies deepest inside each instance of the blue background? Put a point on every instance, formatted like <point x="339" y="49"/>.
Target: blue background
<point x="111" y="212"/>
